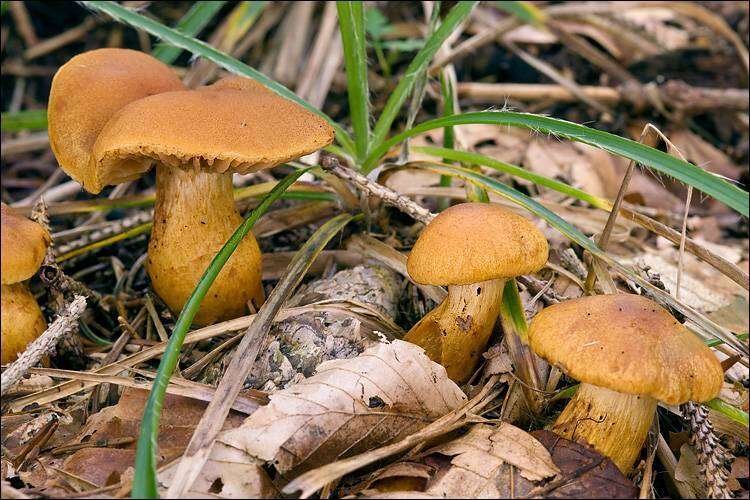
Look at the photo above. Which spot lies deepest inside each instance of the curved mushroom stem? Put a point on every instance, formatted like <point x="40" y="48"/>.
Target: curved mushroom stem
<point x="456" y="332"/>
<point x="194" y="216"/>
<point x="22" y="320"/>
<point x="614" y="423"/>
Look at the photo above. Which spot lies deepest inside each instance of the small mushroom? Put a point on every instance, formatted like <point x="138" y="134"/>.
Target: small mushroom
<point x="197" y="139"/>
<point x="628" y="353"/>
<point x="24" y="245"/>
<point x="473" y="248"/>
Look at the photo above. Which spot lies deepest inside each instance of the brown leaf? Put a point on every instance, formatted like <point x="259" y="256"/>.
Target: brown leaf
<point x="349" y="406"/>
<point x="99" y="465"/>
<point x="228" y="473"/>
<point x="491" y="462"/>
<point x="584" y="472"/>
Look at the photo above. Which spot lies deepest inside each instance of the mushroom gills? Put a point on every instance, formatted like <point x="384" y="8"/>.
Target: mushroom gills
<point x="194" y="216"/>
<point x="22" y="320"/>
<point x="615" y="424"/>
<point x="456" y="332"/>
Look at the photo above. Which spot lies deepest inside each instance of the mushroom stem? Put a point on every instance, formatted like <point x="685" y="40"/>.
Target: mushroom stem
<point x="456" y="332"/>
<point x="194" y="217"/>
<point x="614" y="423"/>
<point x="22" y="320"/>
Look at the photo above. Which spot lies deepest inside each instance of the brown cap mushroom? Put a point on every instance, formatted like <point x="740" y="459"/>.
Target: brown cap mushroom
<point x="628" y="353"/>
<point x="86" y="91"/>
<point x="473" y="248"/>
<point x="24" y="244"/>
<point x="197" y="139"/>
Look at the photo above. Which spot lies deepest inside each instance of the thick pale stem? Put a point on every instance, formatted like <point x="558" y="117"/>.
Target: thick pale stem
<point x="614" y="423"/>
<point x="456" y="332"/>
<point x="22" y="320"/>
<point x="194" y="216"/>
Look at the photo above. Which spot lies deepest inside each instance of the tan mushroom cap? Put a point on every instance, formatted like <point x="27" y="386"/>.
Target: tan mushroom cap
<point x="87" y="91"/>
<point x="474" y="242"/>
<point x="629" y="344"/>
<point x="227" y="127"/>
<point x="24" y="244"/>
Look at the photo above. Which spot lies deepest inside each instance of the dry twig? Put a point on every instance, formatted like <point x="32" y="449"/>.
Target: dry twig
<point x="45" y="344"/>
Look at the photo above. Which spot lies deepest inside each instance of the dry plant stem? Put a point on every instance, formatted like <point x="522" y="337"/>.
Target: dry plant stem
<point x="615" y="424"/>
<point x="389" y="196"/>
<point x="675" y="93"/>
<point x="708" y="450"/>
<point x="45" y="344"/>
<point x="603" y="241"/>
<point x="456" y="332"/>
<point x="194" y="216"/>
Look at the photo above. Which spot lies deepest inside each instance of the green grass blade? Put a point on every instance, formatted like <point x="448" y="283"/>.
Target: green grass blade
<point x="706" y="326"/>
<point x="200" y="48"/>
<point x="512" y="310"/>
<point x="683" y="171"/>
<point x="416" y="68"/>
<point x="194" y="20"/>
<point x="144" y="483"/>
<point x="522" y="173"/>
<point x="728" y="410"/>
<point x="33" y="119"/>
<point x="525" y="11"/>
<point x="352" y="28"/>
<point x="449" y="135"/>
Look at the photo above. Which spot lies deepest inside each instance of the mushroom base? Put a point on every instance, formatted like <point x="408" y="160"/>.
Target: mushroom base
<point x="194" y="216"/>
<point x="615" y="424"/>
<point x="456" y="332"/>
<point x="22" y="321"/>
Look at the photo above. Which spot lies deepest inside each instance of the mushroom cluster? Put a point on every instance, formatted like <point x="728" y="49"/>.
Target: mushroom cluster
<point x="114" y="113"/>
<point x="473" y="248"/>
<point x="24" y="244"/>
<point x="628" y="353"/>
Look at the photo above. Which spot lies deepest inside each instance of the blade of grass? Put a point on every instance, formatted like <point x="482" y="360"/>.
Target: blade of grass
<point x="728" y="410"/>
<point x="513" y="320"/>
<point x="194" y="20"/>
<point x="144" y="482"/>
<point x="522" y="173"/>
<point x="722" y="265"/>
<point x="449" y="135"/>
<point x="33" y="119"/>
<point x="525" y="11"/>
<point x="704" y="324"/>
<point x="416" y="68"/>
<point x="352" y="28"/>
<point x="712" y="185"/>
<point x="208" y="428"/>
<point x="295" y="192"/>
<point x="200" y="48"/>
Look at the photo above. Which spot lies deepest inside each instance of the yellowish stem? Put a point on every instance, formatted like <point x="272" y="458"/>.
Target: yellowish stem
<point x="194" y="216"/>
<point x="615" y="424"/>
<point x="456" y="332"/>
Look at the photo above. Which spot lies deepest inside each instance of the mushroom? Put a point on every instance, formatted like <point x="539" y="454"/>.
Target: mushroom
<point x="473" y="248"/>
<point x="628" y="353"/>
<point x="24" y="245"/>
<point x="197" y="139"/>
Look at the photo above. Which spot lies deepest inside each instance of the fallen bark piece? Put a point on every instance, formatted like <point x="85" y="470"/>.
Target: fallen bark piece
<point x="344" y="312"/>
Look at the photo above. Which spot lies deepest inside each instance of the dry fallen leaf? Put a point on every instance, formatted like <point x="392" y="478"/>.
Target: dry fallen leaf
<point x="584" y="472"/>
<point x="105" y="465"/>
<point x="484" y="463"/>
<point x="349" y="406"/>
